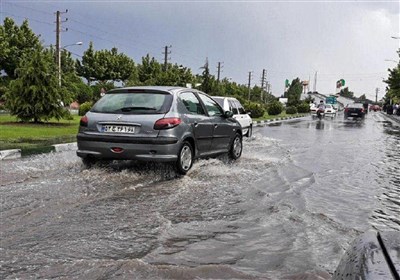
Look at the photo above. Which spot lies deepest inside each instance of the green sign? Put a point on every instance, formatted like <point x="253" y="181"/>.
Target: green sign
<point x="340" y="83"/>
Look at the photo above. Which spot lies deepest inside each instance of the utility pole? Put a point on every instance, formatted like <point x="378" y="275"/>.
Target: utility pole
<point x="219" y="70"/>
<point x="58" y="42"/>
<point x="315" y="81"/>
<point x="262" y="83"/>
<point x="166" y="53"/>
<point x="249" y="85"/>
<point x="376" y="95"/>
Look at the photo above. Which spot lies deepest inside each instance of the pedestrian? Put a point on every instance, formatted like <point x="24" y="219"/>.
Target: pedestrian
<point x="395" y="107"/>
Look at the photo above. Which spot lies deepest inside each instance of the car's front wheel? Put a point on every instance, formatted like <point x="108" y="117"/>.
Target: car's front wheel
<point x="185" y="158"/>
<point x="249" y="131"/>
<point x="236" y="147"/>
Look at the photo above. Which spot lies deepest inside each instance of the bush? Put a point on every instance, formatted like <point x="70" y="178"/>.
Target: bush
<point x="257" y="110"/>
<point x="291" y="110"/>
<point x="303" y="108"/>
<point x="84" y="108"/>
<point x="274" y="108"/>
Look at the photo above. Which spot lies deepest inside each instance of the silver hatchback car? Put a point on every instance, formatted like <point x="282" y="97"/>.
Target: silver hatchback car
<point x="160" y="124"/>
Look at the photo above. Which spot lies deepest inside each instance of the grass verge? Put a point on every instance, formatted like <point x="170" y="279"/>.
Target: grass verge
<point x="281" y="115"/>
<point x="33" y="138"/>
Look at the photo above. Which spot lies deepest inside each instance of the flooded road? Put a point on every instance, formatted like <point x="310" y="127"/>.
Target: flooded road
<point x="288" y="209"/>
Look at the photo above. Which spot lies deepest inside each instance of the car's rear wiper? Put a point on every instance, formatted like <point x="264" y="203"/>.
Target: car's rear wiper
<point x="128" y="109"/>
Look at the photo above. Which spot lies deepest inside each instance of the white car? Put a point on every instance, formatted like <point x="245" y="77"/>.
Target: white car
<point x="330" y="110"/>
<point x="313" y="110"/>
<point x="239" y="113"/>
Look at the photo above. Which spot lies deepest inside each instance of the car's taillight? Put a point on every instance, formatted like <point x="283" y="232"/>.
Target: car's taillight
<point x="362" y="110"/>
<point x="167" y="123"/>
<point x="84" y="121"/>
<point x="346" y="109"/>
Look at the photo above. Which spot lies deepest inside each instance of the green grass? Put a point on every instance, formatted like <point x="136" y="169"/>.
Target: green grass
<point x="31" y="136"/>
<point x="281" y="115"/>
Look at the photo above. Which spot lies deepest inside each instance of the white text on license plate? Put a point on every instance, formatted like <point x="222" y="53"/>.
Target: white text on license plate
<point x="119" y="128"/>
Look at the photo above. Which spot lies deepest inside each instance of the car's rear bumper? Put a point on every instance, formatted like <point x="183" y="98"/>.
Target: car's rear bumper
<point x="159" y="149"/>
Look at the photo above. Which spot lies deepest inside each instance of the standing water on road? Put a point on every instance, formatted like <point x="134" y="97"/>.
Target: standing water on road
<point x="288" y="209"/>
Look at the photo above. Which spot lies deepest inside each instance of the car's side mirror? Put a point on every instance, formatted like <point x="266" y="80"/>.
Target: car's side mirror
<point x="228" y="114"/>
<point x="248" y="113"/>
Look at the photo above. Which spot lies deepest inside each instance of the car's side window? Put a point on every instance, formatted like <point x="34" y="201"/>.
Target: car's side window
<point x="192" y="104"/>
<point x="240" y="107"/>
<point x="232" y="107"/>
<point x="212" y="108"/>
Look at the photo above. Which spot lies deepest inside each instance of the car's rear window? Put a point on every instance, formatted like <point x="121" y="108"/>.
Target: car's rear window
<point x="134" y="103"/>
<point x="355" y="105"/>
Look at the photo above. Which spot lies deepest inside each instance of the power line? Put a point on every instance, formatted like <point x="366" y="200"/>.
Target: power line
<point x="31" y="19"/>
<point x="28" y="8"/>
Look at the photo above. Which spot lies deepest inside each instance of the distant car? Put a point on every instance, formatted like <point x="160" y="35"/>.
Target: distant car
<point x="313" y="110"/>
<point x="330" y="110"/>
<point x="159" y="124"/>
<point x="239" y="113"/>
<point x="375" y="108"/>
<point x="354" y="110"/>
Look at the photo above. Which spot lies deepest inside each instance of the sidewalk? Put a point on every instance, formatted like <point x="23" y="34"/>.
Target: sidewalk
<point x="392" y="117"/>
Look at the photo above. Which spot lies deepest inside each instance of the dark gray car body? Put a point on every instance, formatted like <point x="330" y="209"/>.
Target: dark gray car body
<point x="208" y="135"/>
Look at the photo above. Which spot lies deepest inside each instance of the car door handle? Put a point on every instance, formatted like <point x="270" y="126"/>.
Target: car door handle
<point x="215" y="125"/>
<point x="196" y="124"/>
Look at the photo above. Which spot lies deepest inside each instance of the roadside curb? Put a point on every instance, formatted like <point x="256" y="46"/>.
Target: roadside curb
<point x="10" y="154"/>
<point x="16" y="153"/>
<point x="65" y="147"/>
<point x="391" y="117"/>
<point x="262" y="123"/>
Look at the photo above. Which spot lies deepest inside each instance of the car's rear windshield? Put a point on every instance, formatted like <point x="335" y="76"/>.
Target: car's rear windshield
<point x="134" y="103"/>
<point x="355" y="105"/>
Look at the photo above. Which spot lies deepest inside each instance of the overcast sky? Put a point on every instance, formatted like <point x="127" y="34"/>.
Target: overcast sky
<point x="347" y="40"/>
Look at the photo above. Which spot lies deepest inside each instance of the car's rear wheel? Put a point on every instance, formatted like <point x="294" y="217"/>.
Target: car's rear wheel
<point x="249" y="131"/>
<point x="236" y="147"/>
<point x="185" y="158"/>
<point x="89" y="161"/>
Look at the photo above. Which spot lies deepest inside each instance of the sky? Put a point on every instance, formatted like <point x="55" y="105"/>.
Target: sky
<point x="350" y="40"/>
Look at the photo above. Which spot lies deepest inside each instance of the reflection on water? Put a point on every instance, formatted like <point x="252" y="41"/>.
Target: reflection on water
<point x="286" y="210"/>
<point x="388" y="213"/>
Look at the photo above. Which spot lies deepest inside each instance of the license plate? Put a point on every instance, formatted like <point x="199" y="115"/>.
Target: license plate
<point x="354" y="114"/>
<point x="118" y="129"/>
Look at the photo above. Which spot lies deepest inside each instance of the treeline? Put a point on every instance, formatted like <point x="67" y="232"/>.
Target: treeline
<point x="31" y="89"/>
<point x="393" y="84"/>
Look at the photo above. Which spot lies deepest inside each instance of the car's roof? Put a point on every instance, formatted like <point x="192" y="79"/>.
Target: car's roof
<point x="156" y="88"/>
<point x="222" y="97"/>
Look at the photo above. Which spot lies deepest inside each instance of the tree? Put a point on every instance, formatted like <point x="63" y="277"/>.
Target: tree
<point x="393" y="83"/>
<point x="105" y="65"/>
<point x="149" y="70"/>
<point x="86" y="68"/>
<point x="35" y="94"/>
<point x="363" y="97"/>
<point x="346" y="93"/>
<point x="206" y="79"/>
<point x="14" y="43"/>
<point x="294" y="92"/>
